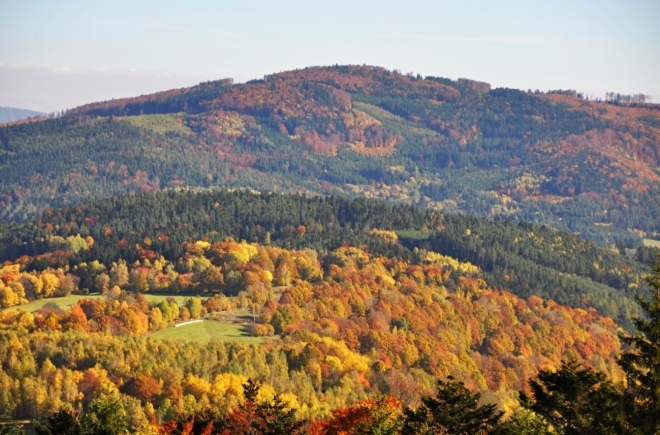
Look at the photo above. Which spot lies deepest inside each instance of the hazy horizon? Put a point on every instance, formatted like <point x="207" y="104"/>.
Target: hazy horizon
<point x="60" y="55"/>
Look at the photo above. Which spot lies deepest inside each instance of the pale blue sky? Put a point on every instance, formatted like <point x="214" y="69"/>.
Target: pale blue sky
<point x="59" y="54"/>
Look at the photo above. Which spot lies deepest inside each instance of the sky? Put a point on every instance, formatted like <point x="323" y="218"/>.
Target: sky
<point x="60" y="54"/>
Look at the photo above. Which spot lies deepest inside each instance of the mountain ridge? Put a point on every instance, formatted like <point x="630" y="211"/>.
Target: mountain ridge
<point x="553" y="159"/>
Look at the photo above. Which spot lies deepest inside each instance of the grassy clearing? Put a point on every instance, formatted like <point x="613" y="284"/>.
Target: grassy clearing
<point x="66" y="302"/>
<point x="178" y="298"/>
<point x="160" y="124"/>
<point x="210" y="330"/>
<point x="63" y="302"/>
<point x="652" y="243"/>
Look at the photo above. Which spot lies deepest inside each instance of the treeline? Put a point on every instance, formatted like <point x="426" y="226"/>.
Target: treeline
<point x="535" y="260"/>
<point x="617" y="98"/>
<point x="188" y="100"/>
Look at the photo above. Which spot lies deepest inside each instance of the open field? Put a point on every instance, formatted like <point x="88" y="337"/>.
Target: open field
<point x="228" y="328"/>
<point x="178" y="298"/>
<point x="208" y="330"/>
<point x="65" y="302"/>
<point x="651" y="242"/>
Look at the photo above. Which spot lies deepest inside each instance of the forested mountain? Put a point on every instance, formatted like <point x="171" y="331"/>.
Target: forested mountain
<point x="457" y="146"/>
<point x="10" y="114"/>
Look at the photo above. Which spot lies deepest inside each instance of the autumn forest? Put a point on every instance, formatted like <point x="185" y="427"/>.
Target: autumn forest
<point x="335" y="250"/>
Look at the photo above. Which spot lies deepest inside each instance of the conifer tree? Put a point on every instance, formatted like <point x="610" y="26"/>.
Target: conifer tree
<point x="65" y="422"/>
<point x="576" y="400"/>
<point x="641" y="363"/>
<point x="267" y="418"/>
<point x="454" y="410"/>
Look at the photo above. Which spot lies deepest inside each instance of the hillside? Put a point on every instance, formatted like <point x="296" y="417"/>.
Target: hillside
<point x="350" y="325"/>
<point x="524" y="259"/>
<point x="167" y="303"/>
<point x="456" y="146"/>
<point x="10" y="114"/>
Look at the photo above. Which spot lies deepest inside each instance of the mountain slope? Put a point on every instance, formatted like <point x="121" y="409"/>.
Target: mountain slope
<point x="525" y="259"/>
<point x="368" y="325"/>
<point x="450" y="145"/>
<point x="353" y="298"/>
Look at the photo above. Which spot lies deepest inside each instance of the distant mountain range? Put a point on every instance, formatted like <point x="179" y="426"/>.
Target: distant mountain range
<point x="10" y="114"/>
<point x="457" y="146"/>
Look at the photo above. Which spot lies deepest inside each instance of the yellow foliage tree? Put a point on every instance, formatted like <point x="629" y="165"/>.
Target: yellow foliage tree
<point x="196" y="386"/>
<point x="51" y="283"/>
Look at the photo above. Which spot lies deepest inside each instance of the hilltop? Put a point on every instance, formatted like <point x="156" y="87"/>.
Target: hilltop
<point x="456" y="146"/>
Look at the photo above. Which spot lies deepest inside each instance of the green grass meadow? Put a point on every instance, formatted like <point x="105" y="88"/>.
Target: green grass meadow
<point x="66" y="302"/>
<point x="208" y="330"/>
<point x="63" y="302"/>
<point x="202" y="332"/>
